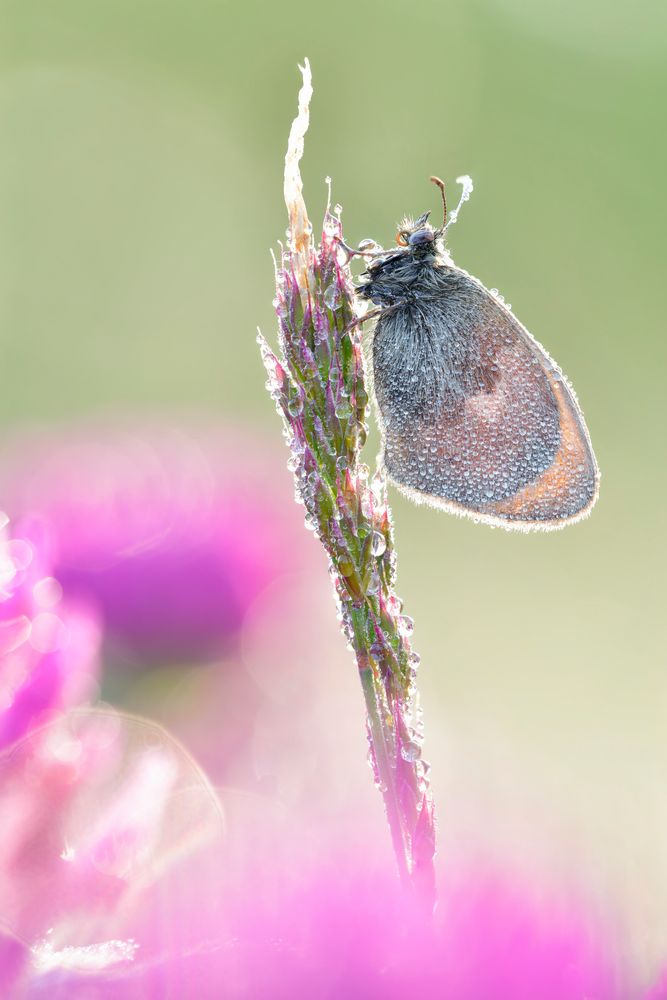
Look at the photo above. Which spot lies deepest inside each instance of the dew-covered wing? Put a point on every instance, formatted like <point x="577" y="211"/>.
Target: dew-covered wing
<point x="476" y="417"/>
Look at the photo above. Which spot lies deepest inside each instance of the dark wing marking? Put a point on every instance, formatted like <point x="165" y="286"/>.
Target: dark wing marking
<point x="476" y="417"/>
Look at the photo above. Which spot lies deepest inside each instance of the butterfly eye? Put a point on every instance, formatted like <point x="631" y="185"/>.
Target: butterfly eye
<point x="402" y="239"/>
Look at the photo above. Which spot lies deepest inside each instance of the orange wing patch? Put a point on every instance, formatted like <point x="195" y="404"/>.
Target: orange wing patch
<point x="568" y="488"/>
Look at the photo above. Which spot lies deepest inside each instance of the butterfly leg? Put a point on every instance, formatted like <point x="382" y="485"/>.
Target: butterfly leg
<point x="351" y="252"/>
<point x="373" y="314"/>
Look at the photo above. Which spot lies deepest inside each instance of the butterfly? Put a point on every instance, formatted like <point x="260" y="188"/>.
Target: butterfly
<point x="475" y="417"/>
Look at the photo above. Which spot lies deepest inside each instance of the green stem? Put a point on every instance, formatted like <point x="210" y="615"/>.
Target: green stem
<point x="385" y="771"/>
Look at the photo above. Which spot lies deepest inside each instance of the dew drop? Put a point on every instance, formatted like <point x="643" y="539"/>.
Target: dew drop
<point x="394" y="605"/>
<point x="280" y="305"/>
<point x="378" y="544"/>
<point x="332" y="296"/>
<point x="411" y="751"/>
<point x="405" y="625"/>
<point x="344" y="408"/>
<point x="295" y="406"/>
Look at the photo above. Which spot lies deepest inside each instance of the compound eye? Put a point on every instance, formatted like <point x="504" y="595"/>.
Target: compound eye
<point x="421" y="237"/>
<point x="402" y="239"/>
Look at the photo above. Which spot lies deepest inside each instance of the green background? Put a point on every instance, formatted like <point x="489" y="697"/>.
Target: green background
<point x="141" y="146"/>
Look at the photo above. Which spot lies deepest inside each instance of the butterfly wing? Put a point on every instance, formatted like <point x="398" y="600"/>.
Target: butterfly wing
<point x="476" y="417"/>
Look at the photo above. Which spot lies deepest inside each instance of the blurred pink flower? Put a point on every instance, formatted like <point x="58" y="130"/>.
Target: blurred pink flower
<point x="309" y="916"/>
<point x="189" y="543"/>
<point x="173" y="532"/>
<point x="659" y="991"/>
<point x="48" y="645"/>
<point x="110" y="837"/>
<point x="178" y="536"/>
<point x="122" y="873"/>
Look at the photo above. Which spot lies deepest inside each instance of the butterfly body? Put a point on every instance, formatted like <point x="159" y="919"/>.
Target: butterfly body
<point x="475" y="416"/>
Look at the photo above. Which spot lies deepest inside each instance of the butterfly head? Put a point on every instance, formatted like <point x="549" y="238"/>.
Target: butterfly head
<point x="418" y="237"/>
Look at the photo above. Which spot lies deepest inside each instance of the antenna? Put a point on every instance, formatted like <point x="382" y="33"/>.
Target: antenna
<point x="441" y="185"/>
